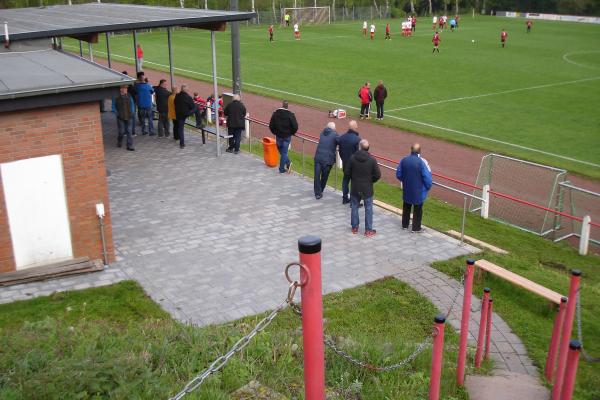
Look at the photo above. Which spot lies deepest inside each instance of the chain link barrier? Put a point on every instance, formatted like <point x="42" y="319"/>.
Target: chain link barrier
<point x="587" y="357"/>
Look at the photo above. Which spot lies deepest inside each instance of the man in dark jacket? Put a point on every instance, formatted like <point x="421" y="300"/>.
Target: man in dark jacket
<point x="325" y="158"/>
<point x="283" y="125"/>
<point x="415" y="175"/>
<point x="236" y="122"/>
<point x="364" y="172"/>
<point x="162" y="107"/>
<point x="380" y="94"/>
<point x="124" y="109"/>
<point x="184" y="107"/>
<point x="348" y="146"/>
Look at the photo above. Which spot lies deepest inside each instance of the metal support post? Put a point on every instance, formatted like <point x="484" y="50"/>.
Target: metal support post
<point x="108" y="50"/>
<point x="303" y="156"/>
<point x="236" y="79"/>
<point x="137" y="64"/>
<point x="91" y="51"/>
<point x="485" y="205"/>
<point x="80" y="49"/>
<point x="571" y="371"/>
<point x="488" y="330"/>
<point x="555" y="340"/>
<point x="170" y="45"/>
<point x="213" y="46"/>
<point x="436" y="357"/>
<point x="312" y="318"/>
<point x="567" y="329"/>
<point x="584" y="239"/>
<point x="482" y="326"/>
<point x="464" y="323"/>
<point x="464" y="217"/>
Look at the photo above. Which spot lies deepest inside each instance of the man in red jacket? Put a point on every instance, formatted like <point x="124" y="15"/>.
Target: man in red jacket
<point x="365" y="100"/>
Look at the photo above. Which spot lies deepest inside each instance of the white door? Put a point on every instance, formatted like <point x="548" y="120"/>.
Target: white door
<point x="35" y="198"/>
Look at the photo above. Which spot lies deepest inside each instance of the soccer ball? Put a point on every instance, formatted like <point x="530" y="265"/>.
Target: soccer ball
<point x="473" y="41"/>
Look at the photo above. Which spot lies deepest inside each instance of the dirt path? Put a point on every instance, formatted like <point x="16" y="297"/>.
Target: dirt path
<point x="449" y="159"/>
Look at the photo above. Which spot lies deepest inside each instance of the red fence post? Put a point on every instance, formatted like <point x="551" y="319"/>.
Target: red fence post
<point x="464" y="323"/>
<point x="312" y="319"/>
<point x="488" y="329"/>
<point x="567" y="328"/>
<point x="436" y="358"/>
<point x="555" y="340"/>
<point x="482" y="325"/>
<point x="569" y="380"/>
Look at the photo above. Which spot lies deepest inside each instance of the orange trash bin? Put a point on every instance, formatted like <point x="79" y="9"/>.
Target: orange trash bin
<point x="270" y="152"/>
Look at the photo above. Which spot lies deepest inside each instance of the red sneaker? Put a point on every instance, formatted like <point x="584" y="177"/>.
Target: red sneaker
<point x="355" y="230"/>
<point x="370" y="233"/>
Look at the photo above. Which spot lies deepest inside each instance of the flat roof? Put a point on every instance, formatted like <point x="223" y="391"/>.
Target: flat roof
<point x="43" y="72"/>
<point x="78" y="19"/>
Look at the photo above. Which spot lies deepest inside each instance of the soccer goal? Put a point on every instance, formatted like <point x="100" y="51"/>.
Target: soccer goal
<point x="581" y="203"/>
<point x="534" y="183"/>
<point x="307" y="15"/>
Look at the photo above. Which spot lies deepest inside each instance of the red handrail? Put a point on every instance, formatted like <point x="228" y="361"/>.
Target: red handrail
<point x="470" y="185"/>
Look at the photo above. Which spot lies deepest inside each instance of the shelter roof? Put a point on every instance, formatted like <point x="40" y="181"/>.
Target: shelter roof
<point x="81" y="19"/>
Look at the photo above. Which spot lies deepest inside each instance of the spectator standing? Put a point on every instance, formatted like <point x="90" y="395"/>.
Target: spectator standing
<point x="380" y="94"/>
<point x="172" y="113"/>
<point x="131" y="92"/>
<point x="184" y="107"/>
<point x="415" y="175"/>
<point x="236" y="121"/>
<point x="144" y="94"/>
<point x="324" y="158"/>
<point x="366" y="97"/>
<point x="124" y="109"/>
<point x="140" y="56"/>
<point x="162" y="96"/>
<point x="348" y="144"/>
<point x="363" y="172"/>
<point x="200" y="111"/>
<point x="283" y="125"/>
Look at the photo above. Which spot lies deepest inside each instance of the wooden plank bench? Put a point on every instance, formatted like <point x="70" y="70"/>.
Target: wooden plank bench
<point x="518" y="280"/>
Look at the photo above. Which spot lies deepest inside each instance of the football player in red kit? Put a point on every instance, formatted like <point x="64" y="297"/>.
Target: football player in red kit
<point x="503" y="36"/>
<point x="436" y="42"/>
<point x="270" y="33"/>
<point x="529" y="24"/>
<point x="387" y="32"/>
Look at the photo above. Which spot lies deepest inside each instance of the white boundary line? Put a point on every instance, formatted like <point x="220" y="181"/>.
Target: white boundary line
<point x="497" y="93"/>
<point x="518" y="146"/>
<point x="565" y="57"/>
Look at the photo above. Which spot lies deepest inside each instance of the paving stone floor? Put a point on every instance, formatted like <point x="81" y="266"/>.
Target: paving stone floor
<point x="208" y="238"/>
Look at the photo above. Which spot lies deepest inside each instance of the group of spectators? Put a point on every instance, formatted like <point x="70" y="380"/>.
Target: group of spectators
<point x="366" y="98"/>
<point x="360" y="168"/>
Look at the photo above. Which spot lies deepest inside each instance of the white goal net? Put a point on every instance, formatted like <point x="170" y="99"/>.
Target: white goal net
<point x="307" y="15"/>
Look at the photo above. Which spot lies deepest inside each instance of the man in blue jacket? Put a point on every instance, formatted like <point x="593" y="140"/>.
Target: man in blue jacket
<point x="144" y="92"/>
<point x="348" y="146"/>
<point x="415" y="175"/>
<point x="325" y="158"/>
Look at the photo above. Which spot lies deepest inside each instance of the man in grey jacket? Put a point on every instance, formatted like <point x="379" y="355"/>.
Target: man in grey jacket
<point x="325" y="158"/>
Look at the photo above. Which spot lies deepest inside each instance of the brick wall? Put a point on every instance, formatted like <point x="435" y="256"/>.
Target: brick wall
<point x="75" y="132"/>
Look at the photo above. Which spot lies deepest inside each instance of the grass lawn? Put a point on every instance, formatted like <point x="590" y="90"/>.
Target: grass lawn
<point x="538" y="93"/>
<point x="535" y="258"/>
<point x="114" y="342"/>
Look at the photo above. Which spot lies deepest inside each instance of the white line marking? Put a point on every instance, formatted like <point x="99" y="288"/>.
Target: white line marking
<point x="566" y="58"/>
<point x="496" y="93"/>
<point x="518" y="146"/>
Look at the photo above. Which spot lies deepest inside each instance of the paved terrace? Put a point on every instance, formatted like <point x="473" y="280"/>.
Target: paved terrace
<point x="208" y="239"/>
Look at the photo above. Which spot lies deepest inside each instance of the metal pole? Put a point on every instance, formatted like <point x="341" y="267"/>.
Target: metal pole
<point x="488" y="329"/>
<point x="80" y="49"/>
<point x="303" y="156"/>
<point x="170" y="45"/>
<point x="464" y="216"/>
<point x="108" y="50"/>
<point x="555" y="340"/>
<point x="137" y="66"/>
<point x="102" y="236"/>
<point x="91" y="51"/>
<point x="464" y="323"/>
<point x="236" y="78"/>
<point x="485" y="303"/>
<point x="216" y="90"/>
<point x="571" y="371"/>
<point x="436" y="357"/>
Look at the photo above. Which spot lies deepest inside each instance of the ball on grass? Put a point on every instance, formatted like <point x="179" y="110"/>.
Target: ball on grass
<point x="472" y="40"/>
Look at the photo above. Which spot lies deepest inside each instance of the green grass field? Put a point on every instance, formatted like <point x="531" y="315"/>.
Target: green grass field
<point x="536" y="99"/>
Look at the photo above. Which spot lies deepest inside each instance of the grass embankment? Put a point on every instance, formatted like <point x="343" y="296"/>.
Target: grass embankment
<point x="114" y="342"/>
<point x="535" y="258"/>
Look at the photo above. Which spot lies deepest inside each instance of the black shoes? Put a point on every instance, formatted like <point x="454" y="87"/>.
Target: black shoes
<point x="229" y="150"/>
<point x="130" y="149"/>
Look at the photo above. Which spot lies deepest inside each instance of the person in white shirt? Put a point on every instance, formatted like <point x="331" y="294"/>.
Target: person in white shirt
<point x="434" y="22"/>
<point x="365" y="28"/>
<point x="372" y="32"/>
<point x="296" y="31"/>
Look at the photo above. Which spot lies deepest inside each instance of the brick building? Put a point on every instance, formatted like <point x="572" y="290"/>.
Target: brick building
<point x="52" y="172"/>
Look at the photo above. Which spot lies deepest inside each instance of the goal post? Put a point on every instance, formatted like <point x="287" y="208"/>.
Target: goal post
<point x="307" y="15"/>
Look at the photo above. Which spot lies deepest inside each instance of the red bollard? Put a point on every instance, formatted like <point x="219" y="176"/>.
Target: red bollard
<point x="555" y="340"/>
<point x="482" y="325"/>
<point x="436" y="358"/>
<point x="312" y="319"/>
<point x="488" y="330"/>
<point x="464" y="323"/>
<point x="569" y="380"/>
<point x="567" y="328"/>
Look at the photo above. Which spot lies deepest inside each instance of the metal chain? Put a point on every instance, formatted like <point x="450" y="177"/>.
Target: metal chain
<point x="462" y="283"/>
<point x="588" y="358"/>
<point x="221" y="361"/>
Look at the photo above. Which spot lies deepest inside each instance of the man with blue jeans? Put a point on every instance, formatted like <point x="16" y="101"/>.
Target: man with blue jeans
<point x="348" y="146"/>
<point x="324" y="158"/>
<point x="124" y="109"/>
<point x="283" y="125"/>
<point x="363" y="171"/>
<point x="144" y="92"/>
<point x="415" y="175"/>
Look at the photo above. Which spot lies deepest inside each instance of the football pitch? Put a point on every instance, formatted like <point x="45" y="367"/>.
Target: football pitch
<point x="537" y="99"/>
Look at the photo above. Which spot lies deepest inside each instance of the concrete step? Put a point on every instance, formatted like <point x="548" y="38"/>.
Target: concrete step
<point x="505" y="385"/>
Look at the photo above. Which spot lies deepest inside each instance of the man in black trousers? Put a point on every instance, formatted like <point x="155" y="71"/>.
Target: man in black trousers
<point x="184" y="107"/>
<point x="236" y="121"/>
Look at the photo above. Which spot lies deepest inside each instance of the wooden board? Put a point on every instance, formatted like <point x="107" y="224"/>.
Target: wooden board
<point x="388" y="207"/>
<point x="519" y="281"/>
<point x="477" y="242"/>
<point x="71" y="267"/>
